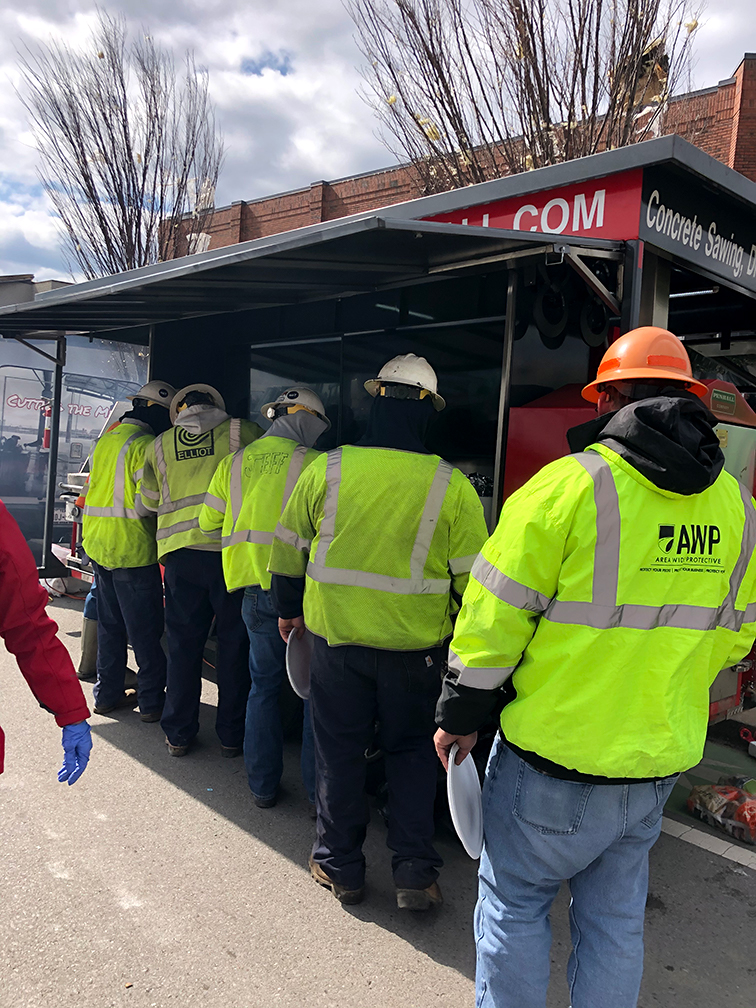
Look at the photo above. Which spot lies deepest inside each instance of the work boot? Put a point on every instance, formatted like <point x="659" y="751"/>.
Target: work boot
<point x="419" y="899"/>
<point x="128" y="699"/>
<point x="231" y="751"/>
<point x="88" y="661"/>
<point x="177" y="750"/>
<point x="150" y="717"/>
<point x="265" y="802"/>
<point x="347" y="896"/>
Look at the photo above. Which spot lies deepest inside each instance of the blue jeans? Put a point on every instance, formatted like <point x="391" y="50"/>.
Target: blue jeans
<point x="539" y="831"/>
<point x="90" y="602"/>
<point x="263" y="734"/>
<point x="130" y="607"/>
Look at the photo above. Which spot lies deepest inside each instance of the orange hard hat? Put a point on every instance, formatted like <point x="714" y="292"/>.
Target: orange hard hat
<point x="644" y="354"/>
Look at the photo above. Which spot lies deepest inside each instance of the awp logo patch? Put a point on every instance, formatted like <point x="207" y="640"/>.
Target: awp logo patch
<point x="694" y="540"/>
<point x="192" y="446"/>
<point x="666" y="537"/>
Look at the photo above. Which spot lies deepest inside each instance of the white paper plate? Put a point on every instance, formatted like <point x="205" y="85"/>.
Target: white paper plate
<point x="298" y="657"/>
<point x="465" y="805"/>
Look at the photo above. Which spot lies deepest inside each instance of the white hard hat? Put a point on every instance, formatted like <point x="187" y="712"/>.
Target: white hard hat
<point x="197" y="387"/>
<point x="155" y="391"/>
<point x="408" y="369"/>
<point x="297" y="395"/>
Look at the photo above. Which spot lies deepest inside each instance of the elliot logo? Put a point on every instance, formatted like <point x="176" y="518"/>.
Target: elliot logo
<point x="193" y="446"/>
<point x="690" y="539"/>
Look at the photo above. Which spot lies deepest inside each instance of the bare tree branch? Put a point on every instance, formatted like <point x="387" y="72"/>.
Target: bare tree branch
<point x="129" y="151"/>
<point x="467" y="90"/>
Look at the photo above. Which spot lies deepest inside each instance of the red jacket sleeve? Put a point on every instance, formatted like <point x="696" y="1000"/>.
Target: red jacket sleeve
<point x="30" y="634"/>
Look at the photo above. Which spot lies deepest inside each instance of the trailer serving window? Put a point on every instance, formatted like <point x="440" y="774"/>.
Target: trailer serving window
<point x="459" y="325"/>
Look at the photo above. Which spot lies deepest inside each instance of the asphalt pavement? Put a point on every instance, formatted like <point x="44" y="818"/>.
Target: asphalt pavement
<point x="155" y="882"/>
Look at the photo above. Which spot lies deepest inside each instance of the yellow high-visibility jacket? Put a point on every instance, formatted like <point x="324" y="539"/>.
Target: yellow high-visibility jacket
<point x="117" y="530"/>
<point x="615" y="603"/>
<point x="177" y="471"/>
<point x="246" y="497"/>
<point x="389" y="534"/>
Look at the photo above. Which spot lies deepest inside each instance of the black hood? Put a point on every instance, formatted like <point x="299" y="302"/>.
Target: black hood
<point x="669" y="439"/>
<point x="157" y="417"/>
<point x="398" y="423"/>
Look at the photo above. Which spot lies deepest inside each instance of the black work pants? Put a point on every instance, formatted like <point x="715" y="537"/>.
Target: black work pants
<point x="195" y="591"/>
<point x="129" y="608"/>
<point x="350" y="689"/>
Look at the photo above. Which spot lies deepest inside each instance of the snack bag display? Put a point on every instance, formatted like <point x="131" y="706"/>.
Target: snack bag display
<point x="730" y="805"/>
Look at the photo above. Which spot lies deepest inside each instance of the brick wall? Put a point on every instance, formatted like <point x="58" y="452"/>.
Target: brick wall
<point x="321" y="201"/>
<point x="743" y="148"/>
<point x="720" y="120"/>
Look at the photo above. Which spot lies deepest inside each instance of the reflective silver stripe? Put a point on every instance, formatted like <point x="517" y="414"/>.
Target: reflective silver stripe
<point x="118" y="508"/>
<point x="380" y="582"/>
<point x="730" y="616"/>
<point x="291" y="538"/>
<point x="138" y="475"/>
<point x="750" y="613"/>
<point x="162" y="469"/>
<point x="328" y="521"/>
<point x="429" y="519"/>
<point x="462" y="565"/>
<point x="293" y="473"/>
<point x="183" y="502"/>
<point x="152" y="494"/>
<point x="603" y="613"/>
<point x="250" y="536"/>
<point x="110" y="512"/>
<point x="119" y="483"/>
<point x="182" y="526"/>
<point x="635" y="617"/>
<point x="234" y="435"/>
<point x="487" y="678"/>
<point x="506" y="589"/>
<point x="415" y="585"/>
<point x="215" y="502"/>
<point x="608" y="531"/>
<point x="235" y="487"/>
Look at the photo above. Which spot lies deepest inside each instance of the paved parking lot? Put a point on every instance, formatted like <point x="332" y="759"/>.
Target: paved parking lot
<point x="156" y="882"/>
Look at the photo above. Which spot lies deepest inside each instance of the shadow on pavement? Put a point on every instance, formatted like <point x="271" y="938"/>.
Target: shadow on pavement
<point x="221" y="785"/>
<point x="701" y="908"/>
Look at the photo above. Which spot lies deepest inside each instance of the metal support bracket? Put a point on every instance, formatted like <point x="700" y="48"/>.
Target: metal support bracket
<point x="490" y="260"/>
<point x="59" y="358"/>
<point x="599" y="289"/>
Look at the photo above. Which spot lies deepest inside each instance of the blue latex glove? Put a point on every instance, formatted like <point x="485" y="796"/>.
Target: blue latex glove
<point x="77" y="745"/>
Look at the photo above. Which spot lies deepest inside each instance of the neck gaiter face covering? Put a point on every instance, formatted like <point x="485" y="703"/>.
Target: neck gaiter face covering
<point x="398" y="423"/>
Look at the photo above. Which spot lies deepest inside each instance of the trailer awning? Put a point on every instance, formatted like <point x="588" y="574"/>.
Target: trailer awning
<point x="335" y="259"/>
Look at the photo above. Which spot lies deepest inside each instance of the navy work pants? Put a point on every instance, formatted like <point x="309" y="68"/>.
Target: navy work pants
<point x="130" y="608"/>
<point x="350" y="689"/>
<point x="195" y="591"/>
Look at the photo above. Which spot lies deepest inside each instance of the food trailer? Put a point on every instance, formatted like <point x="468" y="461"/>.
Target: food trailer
<point x="511" y="288"/>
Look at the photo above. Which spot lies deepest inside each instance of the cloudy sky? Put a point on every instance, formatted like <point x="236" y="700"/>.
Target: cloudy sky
<point x="284" y="77"/>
